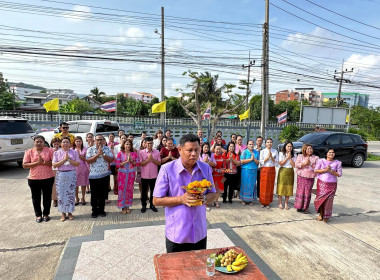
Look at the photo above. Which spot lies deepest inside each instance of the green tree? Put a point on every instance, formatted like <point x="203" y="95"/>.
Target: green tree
<point x="7" y="101"/>
<point x="97" y="94"/>
<point x="133" y="107"/>
<point x="291" y="133"/>
<point x="77" y="106"/>
<point x="173" y="108"/>
<point x="368" y="119"/>
<point x="255" y="106"/>
<point x="3" y="85"/>
<point x="206" y="91"/>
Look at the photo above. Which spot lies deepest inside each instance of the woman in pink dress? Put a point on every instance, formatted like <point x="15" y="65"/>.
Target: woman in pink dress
<point x="55" y="144"/>
<point x="126" y="162"/>
<point x="82" y="170"/>
<point x="305" y="165"/>
<point x="328" y="170"/>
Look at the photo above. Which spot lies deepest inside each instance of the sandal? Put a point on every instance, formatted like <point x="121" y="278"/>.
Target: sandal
<point x="217" y="205"/>
<point x="267" y="206"/>
<point x="319" y="218"/>
<point x="71" y="217"/>
<point x="63" y="218"/>
<point x="262" y="206"/>
<point x="326" y="220"/>
<point x="83" y="201"/>
<point x="124" y="211"/>
<point x="251" y="203"/>
<point x="243" y="203"/>
<point x="306" y="211"/>
<point x="280" y="206"/>
<point x="128" y="211"/>
<point x="287" y="207"/>
<point x="39" y="219"/>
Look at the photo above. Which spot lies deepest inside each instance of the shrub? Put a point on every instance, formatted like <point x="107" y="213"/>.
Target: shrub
<point x="291" y="133"/>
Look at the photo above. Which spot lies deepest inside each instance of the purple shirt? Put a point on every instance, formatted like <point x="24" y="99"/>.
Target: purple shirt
<point x="184" y="224"/>
<point x="211" y="159"/>
<point x="60" y="155"/>
<point x="335" y="165"/>
<point x="150" y="170"/>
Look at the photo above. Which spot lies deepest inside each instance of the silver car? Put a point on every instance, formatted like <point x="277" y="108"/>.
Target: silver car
<point x="15" y="137"/>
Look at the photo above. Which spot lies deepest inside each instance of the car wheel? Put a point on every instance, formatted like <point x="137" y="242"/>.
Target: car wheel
<point x="357" y="160"/>
<point x="19" y="162"/>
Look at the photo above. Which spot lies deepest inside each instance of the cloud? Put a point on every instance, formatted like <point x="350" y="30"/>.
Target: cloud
<point x="174" y="46"/>
<point x="137" y="77"/>
<point x="149" y="67"/>
<point x="78" y="13"/>
<point x="132" y="34"/>
<point x="297" y="41"/>
<point x="362" y="62"/>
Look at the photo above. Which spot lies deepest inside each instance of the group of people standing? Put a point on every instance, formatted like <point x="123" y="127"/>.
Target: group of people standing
<point x="238" y="170"/>
<point x="251" y="172"/>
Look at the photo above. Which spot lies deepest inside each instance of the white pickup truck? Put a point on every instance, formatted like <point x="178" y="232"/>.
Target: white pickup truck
<point x="82" y="127"/>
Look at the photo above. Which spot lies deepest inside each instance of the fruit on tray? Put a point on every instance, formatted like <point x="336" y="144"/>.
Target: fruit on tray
<point x="228" y="258"/>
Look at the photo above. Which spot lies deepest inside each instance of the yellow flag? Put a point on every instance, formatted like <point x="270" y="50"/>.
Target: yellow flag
<point x="52" y="105"/>
<point x="159" y="107"/>
<point x="347" y="118"/>
<point x="244" y="116"/>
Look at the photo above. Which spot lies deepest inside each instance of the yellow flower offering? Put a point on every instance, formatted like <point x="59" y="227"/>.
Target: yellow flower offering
<point x="198" y="187"/>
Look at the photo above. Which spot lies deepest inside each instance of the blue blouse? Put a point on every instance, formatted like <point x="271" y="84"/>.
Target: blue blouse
<point x="247" y="155"/>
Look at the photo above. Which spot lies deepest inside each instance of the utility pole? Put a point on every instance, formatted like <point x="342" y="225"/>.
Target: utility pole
<point x="341" y="80"/>
<point x="250" y="64"/>
<point x="265" y="66"/>
<point x="162" y="63"/>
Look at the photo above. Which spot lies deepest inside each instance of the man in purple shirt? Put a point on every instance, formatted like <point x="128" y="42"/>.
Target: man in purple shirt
<point x="186" y="226"/>
<point x="149" y="159"/>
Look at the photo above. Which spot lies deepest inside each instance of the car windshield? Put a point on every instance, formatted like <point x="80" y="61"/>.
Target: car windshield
<point x="312" y="138"/>
<point x="15" y="127"/>
<point x="107" y="127"/>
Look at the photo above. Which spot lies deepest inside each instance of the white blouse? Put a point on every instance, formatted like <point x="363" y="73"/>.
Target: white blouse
<point x="287" y="164"/>
<point x="264" y="154"/>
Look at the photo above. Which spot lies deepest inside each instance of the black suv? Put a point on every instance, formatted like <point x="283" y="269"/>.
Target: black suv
<point x="349" y="148"/>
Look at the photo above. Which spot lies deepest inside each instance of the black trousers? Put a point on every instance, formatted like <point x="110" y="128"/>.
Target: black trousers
<point x="45" y="187"/>
<point x="230" y="184"/>
<point x="99" y="191"/>
<point x="238" y="168"/>
<point x="258" y="183"/>
<point x="145" y="185"/>
<point x="172" y="247"/>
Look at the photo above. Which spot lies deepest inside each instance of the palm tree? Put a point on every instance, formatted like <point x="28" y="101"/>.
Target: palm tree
<point x="96" y="94"/>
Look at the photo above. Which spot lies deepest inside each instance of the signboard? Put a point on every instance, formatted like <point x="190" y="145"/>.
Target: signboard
<point x="324" y="115"/>
<point x="139" y="125"/>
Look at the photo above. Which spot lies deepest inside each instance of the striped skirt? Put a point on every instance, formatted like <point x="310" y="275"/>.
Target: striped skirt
<point x="303" y="192"/>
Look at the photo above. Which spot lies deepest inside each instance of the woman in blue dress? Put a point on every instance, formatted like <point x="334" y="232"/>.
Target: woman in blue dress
<point x="249" y="162"/>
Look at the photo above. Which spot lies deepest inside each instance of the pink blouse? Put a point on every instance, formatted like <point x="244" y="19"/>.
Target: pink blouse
<point x="335" y="165"/>
<point x="40" y="172"/>
<point x="306" y="171"/>
<point x="239" y="150"/>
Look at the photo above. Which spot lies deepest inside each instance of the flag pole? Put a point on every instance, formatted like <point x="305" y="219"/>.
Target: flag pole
<point x="59" y="113"/>
<point x="116" y="109"/>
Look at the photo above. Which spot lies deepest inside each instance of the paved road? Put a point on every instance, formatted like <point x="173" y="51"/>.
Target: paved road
<point x="291" y="243"/>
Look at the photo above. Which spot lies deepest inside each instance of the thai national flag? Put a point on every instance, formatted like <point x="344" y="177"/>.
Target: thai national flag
<point x="281" y="118"/>
<point x="207" y="114"/>
<point x="109" y="106"/>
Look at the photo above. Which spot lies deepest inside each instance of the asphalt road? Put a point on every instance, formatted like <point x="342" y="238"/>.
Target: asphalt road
<point x="294" y="245"/>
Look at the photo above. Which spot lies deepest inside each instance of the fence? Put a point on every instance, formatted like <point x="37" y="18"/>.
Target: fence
<point x="179" y="126"/>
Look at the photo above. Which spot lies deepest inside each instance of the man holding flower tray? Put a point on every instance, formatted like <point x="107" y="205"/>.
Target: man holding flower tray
<point x="186" y="226"/>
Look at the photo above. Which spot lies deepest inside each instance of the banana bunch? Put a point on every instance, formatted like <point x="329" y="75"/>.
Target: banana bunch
<point x="239" y="263"/>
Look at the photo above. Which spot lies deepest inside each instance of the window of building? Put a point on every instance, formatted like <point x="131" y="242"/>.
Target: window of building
<point x="37" y="101"/>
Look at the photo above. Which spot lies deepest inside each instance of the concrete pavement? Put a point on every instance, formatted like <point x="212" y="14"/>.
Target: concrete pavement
<point x="293" y="244"/>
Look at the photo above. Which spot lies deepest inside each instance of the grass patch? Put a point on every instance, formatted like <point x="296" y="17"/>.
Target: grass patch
<point x="372" y="157"/>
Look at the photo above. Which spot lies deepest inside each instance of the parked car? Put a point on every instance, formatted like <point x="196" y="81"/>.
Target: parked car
<point x="82" y="127"/>
<point x="15" y="137"/>
<point x="349" y="148"/>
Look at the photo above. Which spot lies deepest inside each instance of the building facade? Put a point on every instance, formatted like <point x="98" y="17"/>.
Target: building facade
<point x="351" y="98"/>
<point x="36" y="100"/>
<point x="143" y="96"/>
<point x="314" y="97"/>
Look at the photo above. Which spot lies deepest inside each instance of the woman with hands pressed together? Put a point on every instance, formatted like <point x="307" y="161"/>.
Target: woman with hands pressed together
<point x="207" y="157"/>
<point x="285" y="177"/>
<point x="305" y="165"/>
<point x="82" y="170"/>
<point x="328" y="170"/>
<point x="268" y="161"/>
<point x="66" y="160"/>
<point x="126" y="162"/>
<point x="232" y="160"/>
<point x="249" y="162"/>
<point x="41" y="177"/>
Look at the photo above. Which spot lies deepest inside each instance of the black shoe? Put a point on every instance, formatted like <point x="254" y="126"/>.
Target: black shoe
<point x="88" y="192"/>
<point x="94" y="215"/>
<point x="154" y="209"/>
<point x="230" y="201"/>
<point x="102" y="214"/>
<point x="299" y="210"/>
<point x="39" y="220"/>
<point x="143" y="209"/>
<point x="224" y="201"/>
<point x="46" y="219"/>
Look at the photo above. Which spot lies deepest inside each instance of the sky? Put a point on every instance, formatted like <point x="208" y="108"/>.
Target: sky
<point x="116" y="45"/>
